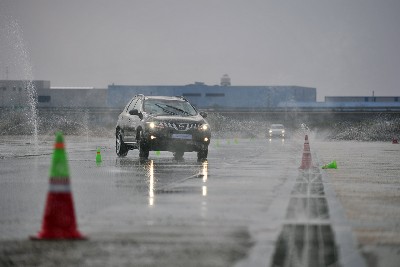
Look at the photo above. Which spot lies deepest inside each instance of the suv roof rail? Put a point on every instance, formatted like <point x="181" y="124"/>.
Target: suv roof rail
<point x="138" y="95"/>
<point x="182" y="97"/>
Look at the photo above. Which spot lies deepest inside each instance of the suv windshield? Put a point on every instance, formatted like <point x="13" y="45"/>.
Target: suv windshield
<point x="168" y="107"/>
<point x="276" y="126"/>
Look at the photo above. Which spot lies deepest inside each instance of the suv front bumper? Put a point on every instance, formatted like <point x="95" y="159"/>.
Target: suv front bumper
<point x="175" y="141"/>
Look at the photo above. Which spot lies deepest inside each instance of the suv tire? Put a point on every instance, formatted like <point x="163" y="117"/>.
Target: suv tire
<point x="120" y="147"/>
<point x="202" y="154"/>
<point x="178" y="154"/>
<point x="143" y="147"/>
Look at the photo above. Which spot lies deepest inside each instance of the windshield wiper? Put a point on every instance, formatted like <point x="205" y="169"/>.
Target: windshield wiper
<point x="165" y="110"/>
<point x="178" y="109"/>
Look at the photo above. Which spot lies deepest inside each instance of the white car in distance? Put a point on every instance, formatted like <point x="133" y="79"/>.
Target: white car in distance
<point x="276" y="130"/>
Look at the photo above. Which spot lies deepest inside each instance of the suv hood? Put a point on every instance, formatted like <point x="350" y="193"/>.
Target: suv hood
<point x="188" y="119"/>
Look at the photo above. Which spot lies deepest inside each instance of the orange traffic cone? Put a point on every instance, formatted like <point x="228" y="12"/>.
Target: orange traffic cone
<point x="59" y="216"/>
<point x="306" y="159"/>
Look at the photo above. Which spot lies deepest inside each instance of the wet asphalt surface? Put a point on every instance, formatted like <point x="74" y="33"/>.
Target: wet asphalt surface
<point x="247" y="205"/>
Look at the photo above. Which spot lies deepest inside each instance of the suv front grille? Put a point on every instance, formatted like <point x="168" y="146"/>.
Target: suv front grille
<point x="184" y="126"/>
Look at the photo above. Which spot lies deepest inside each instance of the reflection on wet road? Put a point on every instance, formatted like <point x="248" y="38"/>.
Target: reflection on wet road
<point x="230" y="209"/>
<point x="161" y="180"/>
<point x="161" y="175"/>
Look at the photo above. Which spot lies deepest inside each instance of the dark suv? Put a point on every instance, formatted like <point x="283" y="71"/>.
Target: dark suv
<point x="161" y="123"/>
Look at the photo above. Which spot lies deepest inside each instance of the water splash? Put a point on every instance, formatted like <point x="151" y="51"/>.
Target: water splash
<point x="86" y="124"/>
<point x="304" y="127"/>
<point x="12" y="36"/>
<point x="374" y="128"/>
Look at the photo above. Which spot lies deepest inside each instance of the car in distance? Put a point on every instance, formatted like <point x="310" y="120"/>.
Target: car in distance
<point x="276" y="130"/>
<point x="162" y="123"/>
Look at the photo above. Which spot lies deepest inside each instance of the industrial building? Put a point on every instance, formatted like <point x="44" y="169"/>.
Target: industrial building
<point x="359" y="99"/>
<point x="223" y="97"/>
<point x="16" y="93"/>
<point x="218" y="97"/>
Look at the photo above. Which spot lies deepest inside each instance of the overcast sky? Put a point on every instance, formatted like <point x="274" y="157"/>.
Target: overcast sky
<point x="341" y="47"/>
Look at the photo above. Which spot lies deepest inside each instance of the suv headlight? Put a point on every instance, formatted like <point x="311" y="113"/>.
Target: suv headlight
<point x="153" y="125"/>
<point x="204" y="127"/>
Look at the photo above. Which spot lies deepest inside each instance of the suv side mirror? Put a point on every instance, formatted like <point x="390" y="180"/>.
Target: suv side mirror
<point x="203" y="114"/>
<point x="134" y="112"/>
<point x="137" y="113"/>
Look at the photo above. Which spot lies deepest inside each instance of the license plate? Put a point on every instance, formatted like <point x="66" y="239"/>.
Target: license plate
<point x="182" y="136"/>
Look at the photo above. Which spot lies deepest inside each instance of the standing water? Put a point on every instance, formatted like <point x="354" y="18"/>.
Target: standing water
<point x="17" y="56"/>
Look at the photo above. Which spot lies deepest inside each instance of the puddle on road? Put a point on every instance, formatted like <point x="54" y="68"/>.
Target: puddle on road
<point x="162" y="176"/>
<point x="179" y="190"/>
<point x="308" y="189"/>
<point x="306" y="245"/>
<point x="309" y="176"/>
<point x="307" y="208"/>
<point x="178" y="245"/>
<point x="302" y="242"/>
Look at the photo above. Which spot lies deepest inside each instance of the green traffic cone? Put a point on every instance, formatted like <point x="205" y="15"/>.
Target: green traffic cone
<point x="98" y="156"/>
<point x="59" y="167"/>
<point x="331" y="165"/>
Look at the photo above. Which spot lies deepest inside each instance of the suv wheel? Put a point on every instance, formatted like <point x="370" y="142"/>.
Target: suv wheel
<point x="143" y="147"/>
<point x="178" y="154"/>
<point x="202" y="154"/>
<point x="120" y="148"/>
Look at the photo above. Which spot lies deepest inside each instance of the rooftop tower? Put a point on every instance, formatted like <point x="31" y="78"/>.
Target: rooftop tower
<point x="225" y="80"/>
